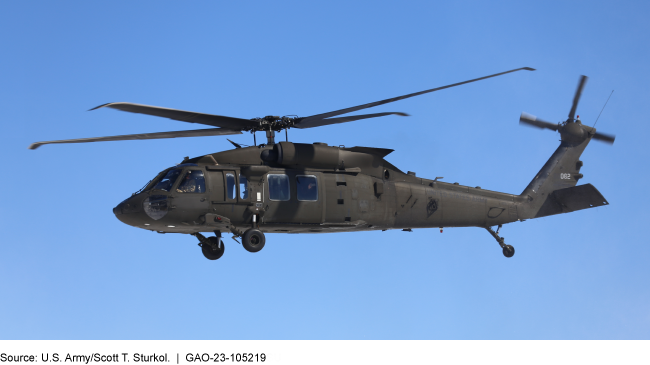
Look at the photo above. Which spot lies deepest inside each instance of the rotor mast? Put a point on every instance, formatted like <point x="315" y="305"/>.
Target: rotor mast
<point x="270" y="137"/>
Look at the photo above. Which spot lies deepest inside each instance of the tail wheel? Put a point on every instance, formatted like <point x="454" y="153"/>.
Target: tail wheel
<point x="253" y="240"/>
<point x="508" y="251"/>
<point x="213" y="250"/>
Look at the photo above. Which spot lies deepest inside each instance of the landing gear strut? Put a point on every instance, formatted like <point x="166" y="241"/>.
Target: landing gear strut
<point x="508" y="250"/>
<point x="212" y="247"/>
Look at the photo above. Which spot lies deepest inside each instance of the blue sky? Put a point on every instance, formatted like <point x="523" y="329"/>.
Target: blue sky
<point x="70" y="270"/>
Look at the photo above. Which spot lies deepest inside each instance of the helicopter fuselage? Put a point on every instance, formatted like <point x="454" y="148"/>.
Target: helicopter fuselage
<point x="302" y="188"/>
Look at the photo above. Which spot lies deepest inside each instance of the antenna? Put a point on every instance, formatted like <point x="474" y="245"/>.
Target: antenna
<point x="601" y="111"/>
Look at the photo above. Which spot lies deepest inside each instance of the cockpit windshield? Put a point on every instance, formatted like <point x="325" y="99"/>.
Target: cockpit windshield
<point x="168" y="180"/>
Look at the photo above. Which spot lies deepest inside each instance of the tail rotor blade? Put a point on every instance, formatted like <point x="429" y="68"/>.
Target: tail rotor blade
<point x="576" y="98"/>
<point x="532" y="120"/>
<point x="607" y="138"/>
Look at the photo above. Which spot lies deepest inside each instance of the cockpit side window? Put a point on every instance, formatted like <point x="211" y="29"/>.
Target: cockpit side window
<point x="168" y="180"/>
<point x="192" y="182"/>
<point x="243" y="187"/>
<point x="231" y="191"/>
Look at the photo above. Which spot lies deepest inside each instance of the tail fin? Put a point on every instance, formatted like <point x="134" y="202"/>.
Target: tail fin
<point x="554" y="190"/>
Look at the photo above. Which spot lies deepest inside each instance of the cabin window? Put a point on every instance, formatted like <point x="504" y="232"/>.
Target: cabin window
<point x="231" y="192"/>
<point x="278" y="187"/>
<point x="243" y="187"/>
<point x="167" y="181"/>
<point x="192" y="182"/>
<point x="307" y="187"/>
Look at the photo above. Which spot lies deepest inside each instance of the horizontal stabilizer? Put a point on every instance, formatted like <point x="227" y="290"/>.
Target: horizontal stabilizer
<point x="571" y="199"/>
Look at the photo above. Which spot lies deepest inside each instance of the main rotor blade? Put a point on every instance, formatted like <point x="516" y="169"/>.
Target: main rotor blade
<point x="607" y="138"/>
<point x="320" y="122"/>
<point x="529" y="119"/>
<point x="386" y="101"/>
<point x="159" y="135"/>
<point x="576" y="98"/>
<point x="231" y="123"/>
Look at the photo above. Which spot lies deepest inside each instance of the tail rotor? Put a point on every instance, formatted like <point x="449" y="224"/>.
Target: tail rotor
<point x="572" y="130"/>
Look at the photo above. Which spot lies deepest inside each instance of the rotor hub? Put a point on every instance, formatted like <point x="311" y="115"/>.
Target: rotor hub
<point x="272" y="123"/>
<point x="573" y="132"/>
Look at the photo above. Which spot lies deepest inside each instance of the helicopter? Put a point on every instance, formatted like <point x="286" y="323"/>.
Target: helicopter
<point x="285" y="187"/>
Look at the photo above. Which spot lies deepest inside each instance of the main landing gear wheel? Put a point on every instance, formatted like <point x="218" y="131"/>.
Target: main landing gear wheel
<point x="212" y="250"/>
<point x="253" y="240"/>
<point x="508" y="251"/>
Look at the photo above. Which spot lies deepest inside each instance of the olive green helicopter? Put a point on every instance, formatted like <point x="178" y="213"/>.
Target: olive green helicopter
<point x="285" y="187"/>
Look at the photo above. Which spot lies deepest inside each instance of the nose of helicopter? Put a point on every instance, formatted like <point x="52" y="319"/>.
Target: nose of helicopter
<point x="129" y="211"/>
<point x="118" y="210"/>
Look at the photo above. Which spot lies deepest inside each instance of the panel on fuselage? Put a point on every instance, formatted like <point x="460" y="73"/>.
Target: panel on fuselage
<point x="403" y="201"/>
<point x="216" y="186"/>
<point x="363" y="198"/>
<point x="227" y="197"/>
<point x="338" y="199"/>
<point x="189" y="197"/>
<point x="461" y="208"/>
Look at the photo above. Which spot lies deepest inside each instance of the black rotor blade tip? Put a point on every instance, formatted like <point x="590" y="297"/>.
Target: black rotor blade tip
<point x="97" y="107"/>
